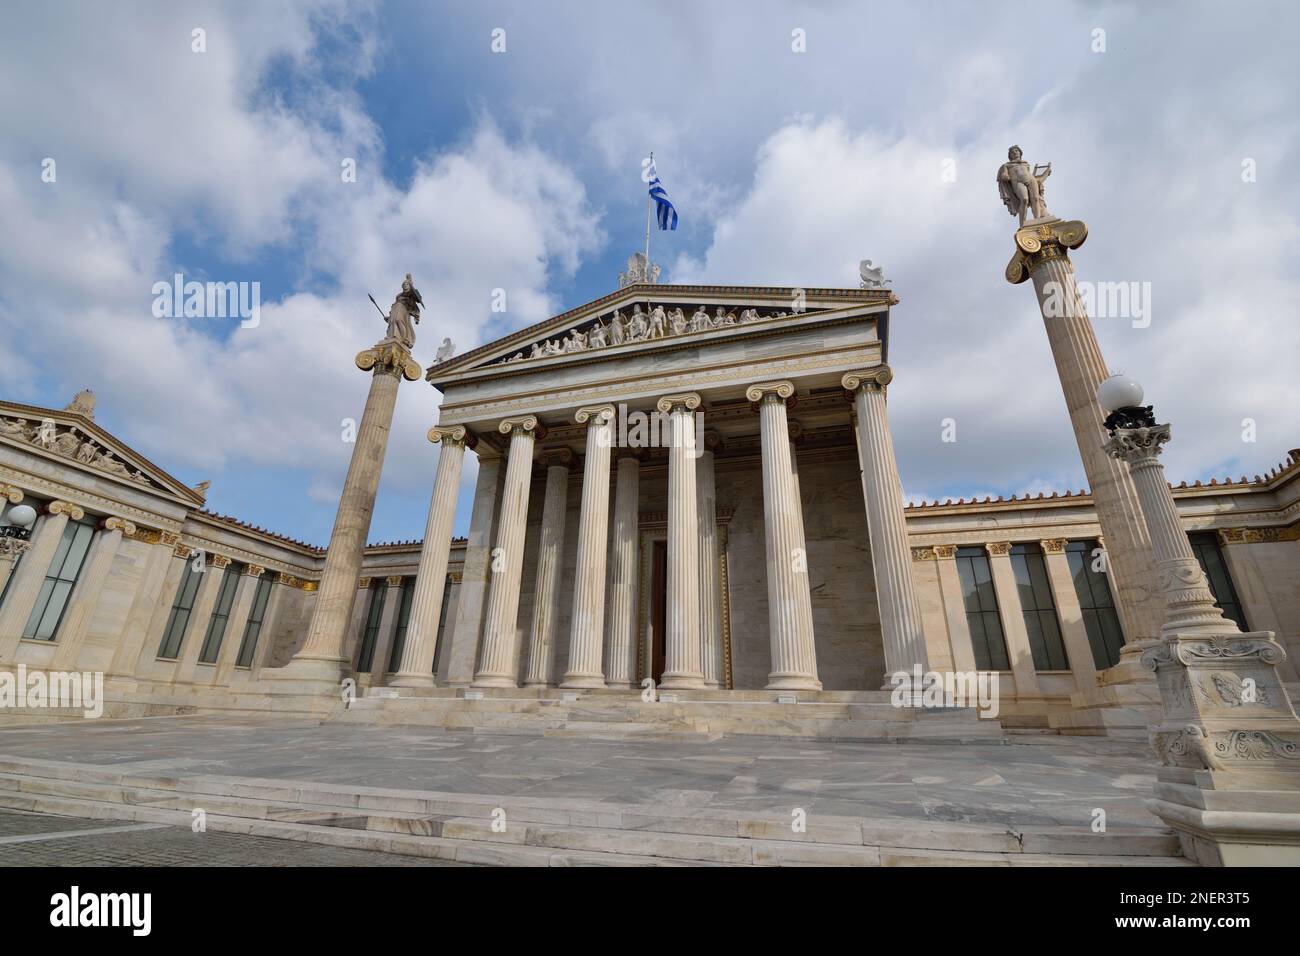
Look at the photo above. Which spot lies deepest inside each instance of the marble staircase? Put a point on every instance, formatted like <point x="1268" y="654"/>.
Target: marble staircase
<point x="535" y="831"/>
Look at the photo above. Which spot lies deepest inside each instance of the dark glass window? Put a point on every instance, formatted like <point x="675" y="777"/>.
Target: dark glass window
<point x="256" y="617"/>
<point x="179" y="618"/>
<point x="982" y="610"/>
<point x="52" y="601"/>
<point x="403" y="620"/>
<point x="1206" y="546"/>
<point x="1092" y="588"/>
<point x="378" y="591"/>
<point x="1038" y="608"/>
<point x="220" y="614"/>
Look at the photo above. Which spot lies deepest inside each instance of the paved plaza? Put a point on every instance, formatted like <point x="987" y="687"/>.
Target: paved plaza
<point x="1027" y="781"/>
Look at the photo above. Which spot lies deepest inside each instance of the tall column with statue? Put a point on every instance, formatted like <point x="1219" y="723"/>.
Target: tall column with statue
<point x="1043" y="243"/>
<point x="320" y="663"/>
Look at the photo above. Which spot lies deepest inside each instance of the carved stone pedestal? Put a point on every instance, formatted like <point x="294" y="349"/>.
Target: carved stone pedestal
<point x="1228" y="739"/>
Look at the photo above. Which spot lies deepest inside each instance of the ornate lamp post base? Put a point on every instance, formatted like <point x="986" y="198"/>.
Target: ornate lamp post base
<point x="1228" y="739"/>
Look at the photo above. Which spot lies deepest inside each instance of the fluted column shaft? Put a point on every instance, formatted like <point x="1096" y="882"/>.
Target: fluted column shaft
<point x="682" y="621"/>
<point x="26" y="584"/>
<point x="1081" y="368"/>
<point x="710" y="600"/>
<point x="497" y="664"/>
<point x="891" y="558"/>
<point x="541" y="650"/>
<point x="415" y="669"/>
<point x="322" y="654"/>
<point x="620" y="652"/>
<point x="586" y="632"/>
<point x="789" y="602"/>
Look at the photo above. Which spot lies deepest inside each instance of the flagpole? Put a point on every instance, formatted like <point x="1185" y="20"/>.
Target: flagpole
<point x="647" y="224"/>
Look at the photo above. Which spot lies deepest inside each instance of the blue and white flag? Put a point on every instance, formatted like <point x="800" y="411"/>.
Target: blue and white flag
<point x="667" y="214"/>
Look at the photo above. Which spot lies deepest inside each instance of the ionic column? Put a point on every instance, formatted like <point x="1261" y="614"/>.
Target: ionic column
<point x="710" y="599"/>
<point x="1042" y="254"/>
<point x="26" y="584"/>
<point x="321" y="657"/>
<point x="89" y="586"/>
<point x="415" y="669"/>
<point x="620" y="651"/>
<point x="497" y="665"/>
<point x="1073" y="631"/>
<point x="593" y="540"/>
<point x="462" y="637"/>
<point x="891" y="558"/>
<point x="789" y="603"/>
<point x="682" y="620"/>
<point x="541" y="649"/>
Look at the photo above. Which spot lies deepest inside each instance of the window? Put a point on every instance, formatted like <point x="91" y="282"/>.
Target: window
<point x="982" y="610"/>
<point x="378" y="591"/>
<point x="256" y="617"/>
<point x="1038" y="608"/>
<point x="220" y="614"/>
<point x="1206" y="546"/>
<point x="179" y="618"/>
<point x="1105" y="636"/>
<point x="52" y="601"/>
<point x="403" y="619"/>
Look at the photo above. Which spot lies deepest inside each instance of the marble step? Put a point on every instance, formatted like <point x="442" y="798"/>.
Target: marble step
<point x="715" y="836"/>
<point x="556" y="846"/>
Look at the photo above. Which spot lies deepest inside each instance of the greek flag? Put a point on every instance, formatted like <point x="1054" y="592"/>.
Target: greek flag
<point x="664" y="207"/>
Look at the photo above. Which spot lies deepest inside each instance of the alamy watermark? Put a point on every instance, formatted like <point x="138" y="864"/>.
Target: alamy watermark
<point x="978" y="689"/>
<point x="1102" y="300"/>
<point x="65" y="690"/>
<point x="179" y="299"/>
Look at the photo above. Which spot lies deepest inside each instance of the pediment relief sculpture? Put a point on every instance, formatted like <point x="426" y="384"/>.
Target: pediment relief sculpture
<point x="639" y="325"/>
<point x="67" y="441"/>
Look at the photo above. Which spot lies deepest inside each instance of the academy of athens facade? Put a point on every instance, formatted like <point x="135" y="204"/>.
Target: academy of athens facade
<point x="711" y="502"/>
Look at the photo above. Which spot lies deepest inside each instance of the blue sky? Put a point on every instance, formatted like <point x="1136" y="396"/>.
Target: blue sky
<point x="520" y="170"/>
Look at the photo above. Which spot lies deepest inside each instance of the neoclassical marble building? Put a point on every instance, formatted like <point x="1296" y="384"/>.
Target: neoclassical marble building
<point x="692" y="484"/>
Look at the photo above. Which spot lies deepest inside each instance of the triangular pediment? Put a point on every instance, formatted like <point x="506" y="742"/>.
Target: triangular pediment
<point x="73" y="436"/>
<point x="643" y="316"/>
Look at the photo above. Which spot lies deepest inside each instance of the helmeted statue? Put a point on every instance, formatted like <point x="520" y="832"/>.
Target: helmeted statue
<point x="404" y="315"/>
<point x="1021" y="187"/>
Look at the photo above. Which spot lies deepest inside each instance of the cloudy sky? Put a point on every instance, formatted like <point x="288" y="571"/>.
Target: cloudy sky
<point x="1173" y="134"/>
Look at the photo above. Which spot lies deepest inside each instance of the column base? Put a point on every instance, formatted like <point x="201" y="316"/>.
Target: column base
<point x="307" y="675"/>
<point x="1129" y="670"/>
<point x="494" y="680"/>
<point x="582" y="681"/>
<point x="681" y="682"/>
<point x="620" y="684"/>
<point x="713" y="684"/>
<point x="418" y="681"/>
<point x="792" y="682"/>
<point x="537" y="683"/>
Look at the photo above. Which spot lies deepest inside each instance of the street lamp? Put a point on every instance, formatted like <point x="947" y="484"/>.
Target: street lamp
<point x="1227" y="725"/>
